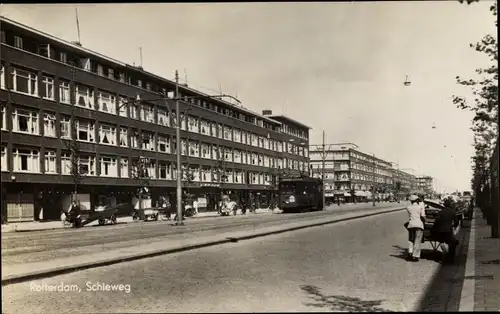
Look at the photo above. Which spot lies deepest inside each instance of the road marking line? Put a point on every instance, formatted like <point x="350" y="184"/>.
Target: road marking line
<point x="468" y="289"/>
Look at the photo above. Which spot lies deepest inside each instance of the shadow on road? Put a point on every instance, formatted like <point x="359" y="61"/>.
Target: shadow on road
<point x="444" y="291"/>
<point x="426" y="254"/>
<point x="336" y="303"/>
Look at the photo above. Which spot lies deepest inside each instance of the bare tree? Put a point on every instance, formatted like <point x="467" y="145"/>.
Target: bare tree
<point x="220" y="173"/>
<point x="141" y="176"/>
<point x="76" y="171"/>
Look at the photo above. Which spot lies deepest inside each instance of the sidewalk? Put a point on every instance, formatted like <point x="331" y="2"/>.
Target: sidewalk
<point x="53" y="225"/>
<point x="481" y="289"/>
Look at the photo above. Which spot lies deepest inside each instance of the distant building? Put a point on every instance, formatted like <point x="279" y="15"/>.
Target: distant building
<point x="425" y="183"/>
<point x="351" y="174"/>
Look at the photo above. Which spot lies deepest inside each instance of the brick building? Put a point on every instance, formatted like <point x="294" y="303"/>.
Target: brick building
<point x="55" y="94"/>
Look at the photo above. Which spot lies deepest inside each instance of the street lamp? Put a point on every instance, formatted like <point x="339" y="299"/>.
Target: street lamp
<point x="179" y="221"/>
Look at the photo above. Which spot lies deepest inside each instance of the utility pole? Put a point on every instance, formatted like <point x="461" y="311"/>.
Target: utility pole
<point x="373" y="186"/>
<point x="178" y="151"/>
<point x="323" y="169"/>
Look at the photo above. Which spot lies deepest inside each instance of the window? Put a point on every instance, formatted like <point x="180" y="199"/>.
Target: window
<point x="50" y="162"/>
<point x="123" y="137"/>
<point x="106" y="102"/>
<point x="151" y="168"/>
<point x="134" y="140"/>
<point x="147" y="113"/>
<point x="26" y="160"/>
<point x="85" y="131"/>
<point x="18" y="42"/>
<point x="238" y="176"/>
<point x="4" y="119"/>
<point x="2" y="76"/>
<point x="195" y="170"/>
<point x="205" y="151"/>
<point x="237" y="156"/>
<point x="229" y="176"/>
<point x="123" y="167"/>
<point x="194" y="149"/>
<point x="65" y="163"/>
<point x="24" y="81"/>
<point x="183" y="147"/>
<point x="215" y="153"/>
<point x="148" y="141"/>
<point x="133" y="111"/>
<point x="108" y="167"/>
<point x="163" y="117"/>
<point x="205" y="127"/>
<point x="183" y="122"/>
<point x="228" y="133"/>
<point x="206" y="174"/>
<point x="254" y="140"/>
<point x="25" y="121"/>
<point x="254" y="159"/>
<point x="107" y="134"/>
<point x="64" y="95"/>
<point x="163" y="144"/>
<point x="47" y="91"/>
<point x="3" y="162"/>
<point x="266" y="161"/>
<point x="49" y="124"/>
<point x="65" y="127"/>
<point x="193" y="124"/>
<point x="87" y="165"/>
<point x="219" y="131"/>
<point x="111" y="74"/>
<point x="214" y="129"/>
<point x="266" y="143"/>
<point x="164" y="171"/>
<point x="237" y="135"/>
<point x="63" y="57"/>
<point x="122" y="106"/>
<point x="84" y="96"/>
<point x="228" y="155"/>
<point x="100" y="70"/>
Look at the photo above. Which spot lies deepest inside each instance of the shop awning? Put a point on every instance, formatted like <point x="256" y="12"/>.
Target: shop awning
<point x="347" y="194"/>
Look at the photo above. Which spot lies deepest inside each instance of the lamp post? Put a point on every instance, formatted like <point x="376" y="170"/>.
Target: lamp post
<point x="177" y="99"/>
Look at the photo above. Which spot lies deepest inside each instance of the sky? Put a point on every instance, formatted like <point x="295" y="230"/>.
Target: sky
<point x="337" y="67"/>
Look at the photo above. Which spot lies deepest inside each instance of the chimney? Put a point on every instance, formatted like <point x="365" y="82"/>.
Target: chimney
<point x="267" y="112"/>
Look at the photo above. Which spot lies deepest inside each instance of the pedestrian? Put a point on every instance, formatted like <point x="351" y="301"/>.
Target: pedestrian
<point x="195" y="206"/>
<point x="443" y="228"/>
<point x="415" y="227"/>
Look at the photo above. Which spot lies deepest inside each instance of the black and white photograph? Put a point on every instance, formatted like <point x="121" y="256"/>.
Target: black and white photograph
<point x="246" y="157"/>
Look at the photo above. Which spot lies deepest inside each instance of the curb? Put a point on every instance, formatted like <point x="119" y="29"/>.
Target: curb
<point x="467" y="296"/>
<point x="70" y="269"/>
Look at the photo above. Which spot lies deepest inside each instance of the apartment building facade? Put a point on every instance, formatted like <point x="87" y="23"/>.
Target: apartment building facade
<point x="55" y="94"/>
<point x="425" y="183"/>
<point x="352" y="175"/>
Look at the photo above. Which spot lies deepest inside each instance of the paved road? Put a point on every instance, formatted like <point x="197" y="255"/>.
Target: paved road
<point x="45" y="245"/>
<point x="348" y="266"/>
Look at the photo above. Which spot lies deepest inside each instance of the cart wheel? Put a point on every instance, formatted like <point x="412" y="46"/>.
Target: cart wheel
<point x="102" y="222"/>
<point x="113" y="219"/>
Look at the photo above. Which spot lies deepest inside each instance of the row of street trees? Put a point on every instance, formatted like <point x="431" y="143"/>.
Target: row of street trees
<point x="484" y="105"/>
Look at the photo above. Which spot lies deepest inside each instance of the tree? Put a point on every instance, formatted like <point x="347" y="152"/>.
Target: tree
<point x="187" y="177"/>
<point x="219" y="171"/>
<point x="76" y="171"/>
<point x="141" y="176"/>
<point x="484" y="106"/>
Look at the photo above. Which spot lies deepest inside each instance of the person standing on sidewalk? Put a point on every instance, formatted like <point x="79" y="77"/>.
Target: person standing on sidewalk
<point x="415" y="228"/>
